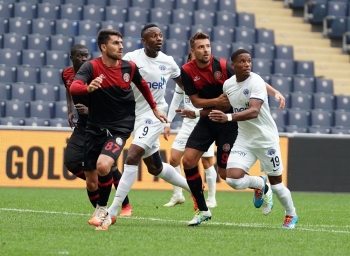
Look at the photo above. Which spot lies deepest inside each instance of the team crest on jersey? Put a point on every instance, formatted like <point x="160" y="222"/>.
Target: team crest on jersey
<point x="226" y="147"/>
<point x="148" y="121"/>
<point x="271" y="152"/>
<point x="217" y="75"/>
<point x="162" y="67"/>
<point x="119" y="141"/>
<point x="246" y="92"/>
<point x="126" y="77"/>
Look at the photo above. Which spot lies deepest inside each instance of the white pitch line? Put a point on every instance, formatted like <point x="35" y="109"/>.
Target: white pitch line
<point x="251" y="225"/>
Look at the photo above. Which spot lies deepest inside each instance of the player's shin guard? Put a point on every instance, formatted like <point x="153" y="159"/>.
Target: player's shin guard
<point x="116" y="179"/>
<point x="104" y="186"/>
<point x="194" y="181"/>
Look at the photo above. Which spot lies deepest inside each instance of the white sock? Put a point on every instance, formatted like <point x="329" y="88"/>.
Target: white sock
<point x="284" y="196"/>
<point x="169" y="174"/>
<point x="127" y="180"/>
<point x="246" y="182"/>
<point x="211" y="176"/>
<point x="177" y="190"/>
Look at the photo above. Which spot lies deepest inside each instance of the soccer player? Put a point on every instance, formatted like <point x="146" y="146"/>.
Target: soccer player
<point x="73" y="157"/>
<point x="257" y="138"/>
<point x="178" y="148"/>
<point x="156" y="68"/>
<point x="107" y="80"/>
<point x="203" y="78"/>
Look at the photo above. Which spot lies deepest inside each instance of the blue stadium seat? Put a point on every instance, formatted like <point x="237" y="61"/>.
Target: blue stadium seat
<point x="342" y="118"/>
<point x="299" y="117"/>
<point x="226" y="18"/>
<point x="211" y="5"/>
<point x="57" y="58"/>
<point x="245" y="19"/>
<point x="186" y="5"/>
<point x="28" y="74"/>
<point x="164" y="4"/>
<point x="175" y="47"/>
<point x="51" y="75"/>
<point x="324" y="85"/>
<point x="43" y="26"/>
<point x="10" y="57"/>
<point x="7" y="74"/>
<point x="301" y="100"/>
<point x="61" y="42"/>
<point x="335" y="27"/>
<point x="263" y="51"/>
<point x="93" y="12"/>
<point x="266" y="36"/>
<point x="25" y="10"/>
<point x="296" y="4"/>
<point x="283" y="67"/>
<point x="34" y="121"/>
<point x="66" y="27"/>
<point x="88" y="41"/>
<point x="142" y="4"/>
<point x="244" y="35"/>
<point x="343" y="102"/>
<point x="160" y="15"/>
<point x="71" y="12"/>
<point x="324" y="101"/>
<point x="304" y="84"/>
<point x="46" y="92"/>
<point x="34" y="58"/>
<point x="5" y="91"/>
<point x="321" y="117"/>
<point x="280" y="118"/>
<point x="337" y="8"/>
<point x="182" y="16"/>
<point x="75" y="2"/>
<point x="38" y="42"/>
<point x="16" y="108"/>
<point x="273" y="103"/>
<point x="203" y="17"/>
<point x="240" y="45"/>
<point x="61" y="110"/>
<point x="88" y="27"/>
<point x="12" y="121"/>
<point x="222" y="34"/>
<point x="130" y="44"/>
<point x="49" y="11"/>
<point x="296" y="129"/>
<point x="13" y="41"/>
<point x="261" y="66"/>
<point x="304" y="67"/>
<point x="315" y="12"/>
<point x="59" y="122"/>
<point x="284" y="52"/>
<point x="62" y="93"/>
<point x="221" y="49"/>
<point x="6" y="10"/>
<point x="138" y="14"/>
<point x="228" y="5"/>
<point x="42" y="109"/>
<point x="282" y="83"/>
<point x="319" y="129"/>
<point x="180" y="60"/>
<point x="57" y="2"/>
<point x="132" y="29"/>
<point x="20" y="25"/>
<point x="201" y="28"/>
<point x="178" y="31"/>
<point x="97" y="2"/>
<point x="113" y="25"/>
<point x="116" y="14"/>
<point x="340" y="130"/>
<point x="4" y="25"/>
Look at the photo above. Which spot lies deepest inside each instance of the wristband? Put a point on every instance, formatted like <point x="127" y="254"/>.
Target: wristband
<point x="167" y="125"/>
<point x="229" y="117"/>
<point x="197" y="113"/>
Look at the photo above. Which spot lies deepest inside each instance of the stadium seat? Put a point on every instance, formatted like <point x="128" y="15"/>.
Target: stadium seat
<point x="142" y="4"/>
<point x="67" y="27"/>
<point x="6" y="10"/>
<point x="27" y="74"/>
<point x="61" y="42"/>
<point x="282" y="83"/>
<point x="38" y="42"/>
<point x="324" y="85"/>
<point x="97" y="2"/>
<point x="319" y="129"/>
<point x="221" y="49"/>
<point x="244" y="35"/>
<point x="223" y="34"/>
<point x="343" y="102"/>
<point x="322" y="118"/>
<point x="34" y="121"/>
<point x="42" y="109"/>
<point x="337" y="8"/>
<point x="47" y="92"/>
<point x="335" y="27"/>
<point x="280" y="118"/>
<point x="273" y="103"/>
<point x="138" y="14"/>
<point x="296" y="129"/>
<point x="283" y="67"/>
<point x="75" y="2"/>
<point x="130" y="44"/>
<point x="182" y="16"/>
<point x="7" y="74"/>
<point x="245" y="19"/>
<point x="228" y="5"/>
<point x="71" y="12"/>
<point x="324" y="101"/>
<point x="34" y="58"/>
<point x="266" y="36"/>
<point x="49" y="11"/>
<point x="299" y="117"/>
<point x="5" y="91"/>
<point x="116" y="14"/>
<point x="340" y="130"/>
<point x="113" y="25"/>
<point x="4" y="25"/>
<point x="175" y="47"/>
<point x="16" y="108"/>
<point x="132" y="29"/>
<point x="59" y="122"/>
<point x="20" y="26"/>
<point x="61" y="110"/>
<point x="178" y="31"/>
<point x="201" y="28"/>
<point x="93" y="12"/>
<point x="185" y="4"/>
<point x="203" y="17"/>
<point x="180" y="60"/>
<point x="207" y="5"/>
<point x="43" y="26"/>
<point x="57" y="2"/>
<point x="160" y="15"/>
<point x="164" y="4"/>
<point x="98" y="54"/>
<point x="240" y="45"/>
<point x="88" y="41"/>
<point x="315" y="12"/>
<point x="263" y="51"/>
<point x="226" y="18"/>
<point x="304" y="67"/>
<point x="56" y="58"/>
<point x="301" y="100"/>
<point x="13" y="41"/>
<point x="10" y="57"/>
<point x="303" y="84"/>
<point x="88" y="27"/>
<point x="22" y="91"/>
<point x="51" y="75"/>
<point x="25" y="10"/>
<point x="62" y="93"/>
<point x="284" y="52"/>
<point x="12" y="121"/>
<point x="341" y="118"/>
<point x="261" y="66"/>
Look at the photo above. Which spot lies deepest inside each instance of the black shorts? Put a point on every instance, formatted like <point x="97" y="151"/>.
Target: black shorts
<point x="75" y="147"/>
<point x="97" y="141"/>
<point x="206" y="132"/>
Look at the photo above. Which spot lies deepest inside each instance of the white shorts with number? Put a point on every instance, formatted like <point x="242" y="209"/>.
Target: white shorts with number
<point x="244" y="158"/>
<point x="182" y="137"/>
<point x="146" y="132"/>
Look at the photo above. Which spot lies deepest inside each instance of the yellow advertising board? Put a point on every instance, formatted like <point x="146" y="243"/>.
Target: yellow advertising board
<point x="35" y="159"/>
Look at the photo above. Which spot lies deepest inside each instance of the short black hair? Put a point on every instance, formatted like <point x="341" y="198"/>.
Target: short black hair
<point x="235" y="54"/>
<point x="151" y="25"/>
<point x="104" y="34"/>
<point x="197" y="36"/>
<point x="76" y="48"/>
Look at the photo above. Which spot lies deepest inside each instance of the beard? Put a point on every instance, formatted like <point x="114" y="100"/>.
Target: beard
<point x="113" y="57"/>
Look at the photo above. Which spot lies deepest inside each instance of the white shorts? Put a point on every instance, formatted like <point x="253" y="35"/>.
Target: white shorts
<point x="244" y="158"/>
<point x="146" y="133"/>
<point x="182" y="137"/>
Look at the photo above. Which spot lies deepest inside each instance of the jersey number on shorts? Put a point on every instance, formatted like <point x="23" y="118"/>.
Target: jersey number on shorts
<point x="276" y="162"/>
<point x="114" y="147"/>
<point x="224" y="158"/>
<point x="145" y="131"/>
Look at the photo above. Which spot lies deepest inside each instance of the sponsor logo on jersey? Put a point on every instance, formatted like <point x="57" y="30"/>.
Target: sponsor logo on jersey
<point x="271" y="152"/>
<point x="246" y="92"/>
<point x="235" y="110"/>
<point x="126" y="77"/>
<point x="217" y="75"/>
<point x="187" y="100"/>
<point x="157" y="85"/>
<point x="148" y="121"/>
<point x="119" y="141"/>
<point x="162" y="67"/>
<point x="226" y="147"/>
<point x="196" y="78"/>
<point x="239" y="152"/>
<point x="180" y="142"/>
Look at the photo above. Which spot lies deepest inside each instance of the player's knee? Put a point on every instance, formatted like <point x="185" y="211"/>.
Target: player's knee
<point x="235" y="183"/>
<point x="206" y="163"/>
<point x="188" y="163"/>
<point x="155" y="166"/>
<point x="174" y="162"/>
<point x="134" y="157"/>
<point x="103" y="167"/>
<point x="91" y="185"/>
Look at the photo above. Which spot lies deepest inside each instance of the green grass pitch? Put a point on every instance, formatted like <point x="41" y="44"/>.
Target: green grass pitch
<point x="54" y="222"/>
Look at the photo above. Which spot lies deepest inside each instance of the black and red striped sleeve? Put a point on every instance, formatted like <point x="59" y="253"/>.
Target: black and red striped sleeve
<point x="82" y="77"/>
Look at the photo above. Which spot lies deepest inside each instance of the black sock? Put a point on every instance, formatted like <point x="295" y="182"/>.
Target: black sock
<point x="93" y="197"/>
<point x="104" y="186"/>
<point x="78" y="171"/>
<point x="116" y="179"/>
<point x="266" y="189"/>
<point x="194" y="181"/>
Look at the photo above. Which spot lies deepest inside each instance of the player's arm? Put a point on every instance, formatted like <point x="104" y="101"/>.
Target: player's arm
<point x="82" y="78"/>
<point x="278" y="96"/>
<point x="70" y="104"/>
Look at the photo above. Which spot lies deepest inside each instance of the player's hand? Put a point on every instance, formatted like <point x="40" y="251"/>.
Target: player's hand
<point x="95" y="84"/>
<point x="217" y="116"/>
<point x="281" y="99"/>
<point x="82" y="109"/>
<point x="71" y="116"/>
<point x="160" y="115"/>
<point x="166" y="133"/>
<point x="185" y="113"/>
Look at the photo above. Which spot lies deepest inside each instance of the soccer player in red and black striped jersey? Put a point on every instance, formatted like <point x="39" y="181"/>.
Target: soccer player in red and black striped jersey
<point x="73" y="157"/>
<point x="203" y="80"/>
<point x="111" y="115"/>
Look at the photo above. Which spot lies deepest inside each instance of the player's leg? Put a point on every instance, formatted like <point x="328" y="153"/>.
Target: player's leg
<point x="126" y="206"/>
<point x="210" y="175"/>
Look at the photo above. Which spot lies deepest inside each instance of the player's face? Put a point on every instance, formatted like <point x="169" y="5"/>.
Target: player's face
<point x="201" y="51"/>
<point x="113" y="48"/>
<point x="243" y="64"/>
<point x="80" y="56"/>
<point x="153" y="39"/>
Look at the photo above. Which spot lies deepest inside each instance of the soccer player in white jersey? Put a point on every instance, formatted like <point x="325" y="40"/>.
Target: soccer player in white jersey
<point x="257" y="138"/>
<point x="156" y="68"/>
<point x="178" y="148"/>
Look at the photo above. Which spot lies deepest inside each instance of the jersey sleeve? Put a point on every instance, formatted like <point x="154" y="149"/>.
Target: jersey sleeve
<point x="258" y="88"/>
<point x="175" y="102"/>
<point x="189" y="87"/>
<point x="64" y="78"/>
<point x="176" y="72"/>
<point x="85" y="73"/>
